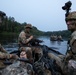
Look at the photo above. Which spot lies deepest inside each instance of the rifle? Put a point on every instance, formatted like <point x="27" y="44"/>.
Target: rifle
<point x="66" y="7"/>
<point x="35" y="42"/>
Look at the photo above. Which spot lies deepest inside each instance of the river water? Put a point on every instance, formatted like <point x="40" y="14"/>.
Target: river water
<point x="60" y="46"/>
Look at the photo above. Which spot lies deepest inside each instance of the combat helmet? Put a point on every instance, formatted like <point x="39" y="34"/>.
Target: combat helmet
<point x="71" y="16"/>
<point x="28" y="26"/>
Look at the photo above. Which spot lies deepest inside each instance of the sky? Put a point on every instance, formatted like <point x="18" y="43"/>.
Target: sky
<point x="46" y="15"/>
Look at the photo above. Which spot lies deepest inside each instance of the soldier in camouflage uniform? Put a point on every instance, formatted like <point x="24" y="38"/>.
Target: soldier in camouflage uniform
<point x="19" y="67"/>
<point x="69" y="64"/>
<point x="3" y="53"/>
<point x="71" y="53"/>
<point x="24" y="41"/>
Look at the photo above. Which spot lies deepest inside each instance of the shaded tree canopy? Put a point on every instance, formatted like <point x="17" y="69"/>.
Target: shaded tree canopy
<point x="9" y="25"/>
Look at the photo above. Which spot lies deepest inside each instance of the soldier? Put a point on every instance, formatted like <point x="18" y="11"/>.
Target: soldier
<point x="71" y="53"/>
<point x="25" y="36"/>
<point x="4" y="55"/>
<point x="24" y="41"/>
<point x="20" y="67"/>
<point x="68" y="65"/>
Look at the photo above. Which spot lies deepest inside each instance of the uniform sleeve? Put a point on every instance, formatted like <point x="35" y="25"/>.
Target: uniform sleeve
<point x="4" y="55"/>
<point x="74" y="47"/>
<point x="22" y="37"/>
<point x="73" y="42"/>
<point x="73" y="38"/>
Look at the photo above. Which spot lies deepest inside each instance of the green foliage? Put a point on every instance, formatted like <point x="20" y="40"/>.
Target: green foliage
<point x="11" y="27"/>
<point x="36" y="32"/>
<point x="65" y="33"/>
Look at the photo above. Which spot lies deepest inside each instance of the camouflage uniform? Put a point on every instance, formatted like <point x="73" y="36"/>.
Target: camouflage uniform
<point x="3" y="52"/>
<point x="18" y="69"/>
<point x="24" y="38"/>
<point x="3" y="55"/>
<point x="69" y="64"/>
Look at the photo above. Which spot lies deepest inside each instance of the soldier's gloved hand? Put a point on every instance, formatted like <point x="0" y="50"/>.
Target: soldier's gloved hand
<point x="13" y="56"/>
<point x="31" y="37"/>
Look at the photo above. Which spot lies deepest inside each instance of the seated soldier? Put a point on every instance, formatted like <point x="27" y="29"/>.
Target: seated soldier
<point x="24" y="41"/>
<point x="4" y="55"/>
<point x="21" y="67"/>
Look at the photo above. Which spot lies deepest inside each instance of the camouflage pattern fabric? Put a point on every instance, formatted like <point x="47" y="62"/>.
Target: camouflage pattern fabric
<point x="72" y="15"/>
<point x="17" y="69"/>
